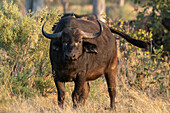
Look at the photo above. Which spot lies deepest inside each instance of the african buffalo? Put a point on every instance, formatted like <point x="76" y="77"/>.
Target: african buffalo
<point x="81" y="51"/>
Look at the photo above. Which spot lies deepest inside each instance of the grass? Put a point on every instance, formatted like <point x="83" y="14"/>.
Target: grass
<point x="128" y="100"/>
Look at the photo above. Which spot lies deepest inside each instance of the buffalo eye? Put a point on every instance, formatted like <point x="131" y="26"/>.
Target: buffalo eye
<point x="55" y="48"/>
<point x="65" y="43"/>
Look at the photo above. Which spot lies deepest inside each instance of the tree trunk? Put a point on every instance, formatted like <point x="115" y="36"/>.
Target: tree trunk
<point x="65" y="4"/>
<point x="34" y="5"/>
<point x="122" y="3"/>
<point x="28" y="5"/>
<point x="40" y="5"/>
<point x="99" y="8"/>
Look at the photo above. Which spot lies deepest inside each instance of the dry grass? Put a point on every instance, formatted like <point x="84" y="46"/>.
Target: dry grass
<point x="127" y="101"/>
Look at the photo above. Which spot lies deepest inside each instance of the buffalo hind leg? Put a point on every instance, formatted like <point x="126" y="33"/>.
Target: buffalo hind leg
<point x="111" y="83"/>
<point x="61" y="92"/>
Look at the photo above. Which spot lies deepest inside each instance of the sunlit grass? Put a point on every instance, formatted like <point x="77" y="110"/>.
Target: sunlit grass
<point x="127" y="100"/>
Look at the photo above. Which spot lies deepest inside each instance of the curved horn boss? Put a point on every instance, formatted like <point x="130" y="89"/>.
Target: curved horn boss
<point x="51" y="36"/>
<point x="93" y="35"/>
<point x="85" y="34"/>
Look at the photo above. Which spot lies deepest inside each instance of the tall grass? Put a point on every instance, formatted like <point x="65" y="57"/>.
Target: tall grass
<point x="25" y="71"/>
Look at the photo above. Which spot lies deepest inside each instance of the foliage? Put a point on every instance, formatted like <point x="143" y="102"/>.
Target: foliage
<point x="144" y="70"/>
<point x="151" y="20"/>
<point x="24" y="59"/>
<point x="137" y="69"/>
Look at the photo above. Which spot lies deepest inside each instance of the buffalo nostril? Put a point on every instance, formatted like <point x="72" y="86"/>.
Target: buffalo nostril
<point x="66" y="56"/>
<point x="70" y="56"/>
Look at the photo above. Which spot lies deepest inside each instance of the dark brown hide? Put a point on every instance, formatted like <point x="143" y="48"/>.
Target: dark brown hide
<point x="93" y="58"/>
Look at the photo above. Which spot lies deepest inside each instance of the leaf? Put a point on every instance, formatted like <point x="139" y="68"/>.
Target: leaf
<point x="153" y="82"/>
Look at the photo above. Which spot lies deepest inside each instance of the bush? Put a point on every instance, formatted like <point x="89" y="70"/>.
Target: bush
<point x="150" y="19"/>
<point x="25" y="68"/>
<point x="143" y="70"/>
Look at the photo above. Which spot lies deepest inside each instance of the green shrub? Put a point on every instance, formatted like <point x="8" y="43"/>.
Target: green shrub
<point x="151" y="17"/>
<point x="25" y="68"/>
<point x="143" y="70"/>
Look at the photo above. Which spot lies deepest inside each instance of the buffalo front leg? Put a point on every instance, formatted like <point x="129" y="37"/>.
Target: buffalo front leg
<point x="84" y="93"/>
<point x="61" y="92"/>
<point x="111" y="83"/>
<point x="81" y="91"/>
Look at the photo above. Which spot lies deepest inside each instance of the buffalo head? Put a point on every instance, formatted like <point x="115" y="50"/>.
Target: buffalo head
<point x="71" y="41"/>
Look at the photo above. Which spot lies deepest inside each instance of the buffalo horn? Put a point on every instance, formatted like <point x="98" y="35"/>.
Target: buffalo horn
<point x="93" y="35"/>
<point x="51" y="36"/>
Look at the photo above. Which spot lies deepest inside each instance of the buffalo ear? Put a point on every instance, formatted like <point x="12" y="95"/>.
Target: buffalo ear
<point x="89" y="47"/>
